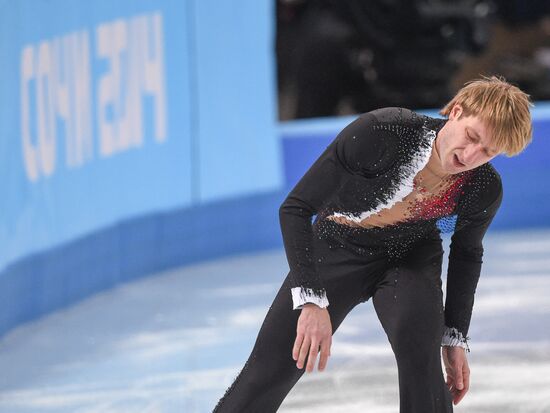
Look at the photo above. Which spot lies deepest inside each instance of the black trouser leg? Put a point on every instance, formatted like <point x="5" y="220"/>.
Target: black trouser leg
<point x="409" y="304"/>
<point x="270" y="372"/>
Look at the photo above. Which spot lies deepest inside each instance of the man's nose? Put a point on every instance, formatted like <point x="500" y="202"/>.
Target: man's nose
<point x="471" y="152"/>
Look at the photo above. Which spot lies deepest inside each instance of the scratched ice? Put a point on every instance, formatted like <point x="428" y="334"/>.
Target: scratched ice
<point x="174" y="342"/>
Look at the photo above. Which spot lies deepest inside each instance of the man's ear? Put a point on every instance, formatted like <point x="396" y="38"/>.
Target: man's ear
<point x="456" y="111"/>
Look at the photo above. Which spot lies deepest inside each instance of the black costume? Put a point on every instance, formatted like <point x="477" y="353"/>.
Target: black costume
<point x="369" y="167"/>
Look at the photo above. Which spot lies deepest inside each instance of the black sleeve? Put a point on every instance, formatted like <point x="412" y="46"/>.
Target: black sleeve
<point x="358" y="149"/>
<point x="465" y="259"/>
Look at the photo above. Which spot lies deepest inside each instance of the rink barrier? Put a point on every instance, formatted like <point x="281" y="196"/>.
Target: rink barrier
<point x="135" y="139"/>
<point x="130" y="249"/>
<point x="54" y="279"/>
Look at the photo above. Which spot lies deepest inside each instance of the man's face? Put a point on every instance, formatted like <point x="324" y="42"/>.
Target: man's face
<point x="464" y="142"/>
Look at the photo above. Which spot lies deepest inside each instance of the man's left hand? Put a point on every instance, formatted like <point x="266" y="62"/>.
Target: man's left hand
<point x="458" y="371"/>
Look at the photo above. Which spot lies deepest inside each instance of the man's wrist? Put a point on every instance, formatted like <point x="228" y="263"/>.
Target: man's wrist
<point x="313" y="305"/>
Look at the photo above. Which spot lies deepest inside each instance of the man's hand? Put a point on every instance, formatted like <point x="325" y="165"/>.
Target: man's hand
<point x="314" y="330"/>
<point x="458" y="371"/>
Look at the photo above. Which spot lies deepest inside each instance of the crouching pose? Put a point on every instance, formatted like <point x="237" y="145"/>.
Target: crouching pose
<point x="383" y="192"/>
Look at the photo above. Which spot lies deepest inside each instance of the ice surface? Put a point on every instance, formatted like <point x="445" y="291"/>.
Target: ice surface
<point x="175" y="341"/>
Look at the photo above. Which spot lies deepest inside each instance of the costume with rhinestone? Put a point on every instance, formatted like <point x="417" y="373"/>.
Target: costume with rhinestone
<point x="372" y="191"/>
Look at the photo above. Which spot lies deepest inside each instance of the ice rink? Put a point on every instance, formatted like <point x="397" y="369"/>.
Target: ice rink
<point x="174" y="342"/>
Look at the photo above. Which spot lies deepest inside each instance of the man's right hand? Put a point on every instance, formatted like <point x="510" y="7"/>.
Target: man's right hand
<point x="313" y="331"/>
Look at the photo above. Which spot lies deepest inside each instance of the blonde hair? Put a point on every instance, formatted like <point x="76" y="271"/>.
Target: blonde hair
<point x="503" y="107"/>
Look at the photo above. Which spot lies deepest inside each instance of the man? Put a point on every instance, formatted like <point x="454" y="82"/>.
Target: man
<point x="382" y="193"/>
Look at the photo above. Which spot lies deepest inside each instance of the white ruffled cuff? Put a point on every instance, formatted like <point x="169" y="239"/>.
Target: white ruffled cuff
<point x="301" y="296"/>
<point x="452" y="337"/>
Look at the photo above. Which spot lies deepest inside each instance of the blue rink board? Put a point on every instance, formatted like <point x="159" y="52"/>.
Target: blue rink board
<point x="78" y="215"/>
<point x="74" y="162"/>
<point x="138" y="247"/>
